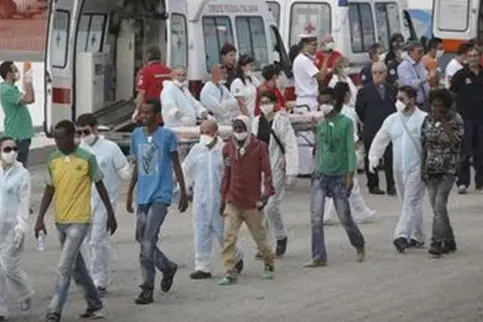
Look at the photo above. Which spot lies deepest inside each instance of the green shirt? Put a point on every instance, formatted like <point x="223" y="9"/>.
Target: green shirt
<point x="18" y="122"/>
<point x="336" y="153"/>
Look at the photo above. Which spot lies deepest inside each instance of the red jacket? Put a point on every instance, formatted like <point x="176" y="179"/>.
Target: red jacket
<point x="319" y="62"/>
<point x="241" y="184"/>
<point x="278" y="94"/>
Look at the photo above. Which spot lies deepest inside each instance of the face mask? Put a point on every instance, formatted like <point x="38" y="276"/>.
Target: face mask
<point x="9" y="158"/>
<point x="77" y="141"/>
<point x="240" y="136"/>
<point x="329" y="46"/>
<point x="222" y="82"/>
<point x="439" y="54"/>
<point x="404" y="55"/>
<point x="266" y="108"/>
<point x="181" y="84"/>
<point x="248" y="73"/>
<point x="206" y="139"/>
<point x="89" y="139"/>
<point x="17" y="76"/>
<point x="326" y="108"/>
<point x="400" y="106"/>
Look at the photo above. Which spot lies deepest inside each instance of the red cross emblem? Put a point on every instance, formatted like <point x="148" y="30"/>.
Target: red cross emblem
<point x="309" y="28"/>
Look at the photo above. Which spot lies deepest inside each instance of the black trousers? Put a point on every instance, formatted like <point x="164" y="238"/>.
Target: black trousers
<point x="373" y="178"/>
<point x="472" y="147"/>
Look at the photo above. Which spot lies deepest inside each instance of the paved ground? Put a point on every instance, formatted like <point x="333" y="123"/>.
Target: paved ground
<point x="387" y="287"/>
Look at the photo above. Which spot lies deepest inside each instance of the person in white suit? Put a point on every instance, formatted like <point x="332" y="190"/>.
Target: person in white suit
<point x="217" y="98"/>
<point x="274" y="128"/>
<point x="180" y="108"/>
<point x="403" y="128"/>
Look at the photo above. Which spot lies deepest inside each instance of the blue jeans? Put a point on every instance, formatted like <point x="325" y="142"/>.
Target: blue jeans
<point x="439" y="188"/>
<point x="331" y="186"/>
<point x="72" y="265"/>
<point x="149" y="220"/>
<point x="23" y="151"/>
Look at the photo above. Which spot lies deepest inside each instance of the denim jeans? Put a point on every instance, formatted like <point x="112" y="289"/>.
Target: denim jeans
<point x="23" y="151"/>
<point x="332" y="186"/>
<point x="439" y="188"/>
<point x="149" y="220"/>
<point x="72" y="265"/>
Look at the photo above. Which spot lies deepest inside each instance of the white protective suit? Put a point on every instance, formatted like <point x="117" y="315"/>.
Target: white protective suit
<point x="361" y="213"/>
<point x="180" y="108"/>
<point x="406" y="165"/>
<point x="218" y="100"/>
<point x="14" y="212"/>
<point x="283" y="166"/>
<point x="113" y="164"/>
<point x="203" y="172"/>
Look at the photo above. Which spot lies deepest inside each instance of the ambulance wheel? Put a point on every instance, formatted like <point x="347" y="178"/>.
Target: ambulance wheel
<point x="8" y="9"/>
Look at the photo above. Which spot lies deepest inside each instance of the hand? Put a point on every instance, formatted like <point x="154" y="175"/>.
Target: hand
<point x="19" y="237"/>
<point x="111" y="223"/>
<point x="373" y="166"/>
<point x="290" y="181"/>
<point x="283" y="164"/>
<point x="262" y="203"/>
<point x="349" y="181"/>
<point x="39" y="226"/>
<point x="314" y="123"/>
<point x="129" y="207"/>
<point x="28" y="77"/>
<point x="227" y="162"/>
<point x="440" y="117"/>
<point x="183" y="202"/>
<point x="135" y="116"/>
<point x="222" y="209"/>
<point x="204" y="115"/>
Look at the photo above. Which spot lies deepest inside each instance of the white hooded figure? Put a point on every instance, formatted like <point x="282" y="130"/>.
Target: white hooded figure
<point x="114" y="165"/>
<point x="180" y="108"/>
<point x="403" y="129"/>
<point x="15" y="190"/>
<point x="203" y="170"/>
<point x="274" y="128"/>
<point x="217" y="98"/>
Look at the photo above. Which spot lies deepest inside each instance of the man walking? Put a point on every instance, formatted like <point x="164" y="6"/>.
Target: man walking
<point x="155" y="150"/>
<point x="72" y="171"/>
<point x="403" y="129"/>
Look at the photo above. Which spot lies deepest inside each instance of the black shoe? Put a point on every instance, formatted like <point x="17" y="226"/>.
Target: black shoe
<point x="401" y="244"/>
<point x="281" y="247"/>
<point x="2" y="318"/>
<point x="200" y="275"/>
<point x="168" y="279"/>
<point x="258" y="256"/>
<point x="391" y="191"/>
<point x="449" y="246"/>
<point x="436" y="249"/>
<point x="376" y="191"/>
<point x="413" y="243"/>
<point x="239" y="266"/>
<point x="145" y="298"/>
<point x="52" y="317"/>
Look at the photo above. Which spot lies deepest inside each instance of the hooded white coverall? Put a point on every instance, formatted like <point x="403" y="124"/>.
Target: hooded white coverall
<point x="219" y="101"/>
<point x="361" y="213"/>
<point x="113" y="164"/>
<point x="406" y="165"/>
<point x="283" y="166"/>
<point x="180" y="108"/>
<point x="14" y="211"/>
<point x="203" y="171"/>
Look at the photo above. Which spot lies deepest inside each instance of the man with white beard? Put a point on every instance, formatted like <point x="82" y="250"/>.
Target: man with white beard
<point x="403" y="129"/>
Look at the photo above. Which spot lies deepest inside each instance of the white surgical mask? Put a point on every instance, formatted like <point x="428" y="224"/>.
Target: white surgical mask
<point x="222" y="82"/>
<point x="89" y="139"/>
<point x="404" y="55"/>
<point x="206" y="139"/>
<point x="266" y="108"/>
<point x="400" y="106"/>
<point x="181" y="84"/>
<point x="439" y="54"/>
<point x="240" y="136"/>
<point x="326" y="108"/>
<point x="77" y="141"/>
<point x="17" y="76"/>
<point x="10" y="157"/>
<point x="248" y="73"/>
<point x="329" y="45"/>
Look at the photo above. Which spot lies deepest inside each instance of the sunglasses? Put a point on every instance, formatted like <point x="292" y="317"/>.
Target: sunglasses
<point x="9" y="149"/>
<point x="83" y="132"/>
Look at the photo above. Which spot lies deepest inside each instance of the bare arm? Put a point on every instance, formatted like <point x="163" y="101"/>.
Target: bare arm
<point x="178" y="171"/>
<point x="29" y="96"/>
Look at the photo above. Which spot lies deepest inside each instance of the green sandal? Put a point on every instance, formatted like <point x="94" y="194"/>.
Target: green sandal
<point x="227" y="280"/>
<point x="268" y="273"/>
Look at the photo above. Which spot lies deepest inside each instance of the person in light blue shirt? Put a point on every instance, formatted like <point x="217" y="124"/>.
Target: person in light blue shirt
<point x="154" y="149"/>
<point x="411" y="72"/>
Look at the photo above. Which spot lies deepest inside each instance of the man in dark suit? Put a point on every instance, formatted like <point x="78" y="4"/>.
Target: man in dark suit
<point x="374" y="103"/>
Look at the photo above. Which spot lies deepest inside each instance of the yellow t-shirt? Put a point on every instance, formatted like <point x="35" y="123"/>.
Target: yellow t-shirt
<point x="72" y="176"/>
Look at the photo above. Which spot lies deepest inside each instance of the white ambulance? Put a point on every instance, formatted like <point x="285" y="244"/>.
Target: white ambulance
<point x="96" y="47"/>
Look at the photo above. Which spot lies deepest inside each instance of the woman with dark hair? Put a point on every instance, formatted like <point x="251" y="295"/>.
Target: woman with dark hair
<point x="394" y="57"/>
<point x="244" y="86"/>
<point x="441" y="135"/>
<point x="360" y="211"/>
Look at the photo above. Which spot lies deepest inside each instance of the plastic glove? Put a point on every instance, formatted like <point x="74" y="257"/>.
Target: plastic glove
<point x="204" y="115"/>
<point x="19" y="237"/>
<point x="373" y="163"/>
<point x="290" y="181"/>
<point x="28" y="77"/>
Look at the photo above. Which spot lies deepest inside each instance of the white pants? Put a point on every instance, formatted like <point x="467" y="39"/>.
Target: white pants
<point x="12" y="274"/>
<point x="98" y="248"/>
<point x="272" y="211"/>
<point x="410" y="190"/>
<point x="306" y="140"/>
<point x="360" y="212"/>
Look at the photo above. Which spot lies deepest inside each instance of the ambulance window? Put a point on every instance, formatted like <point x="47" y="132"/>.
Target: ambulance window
<point x="59" y="37"/>
<point x="309" y="18"/>
<point x="362" y="27"/>
<point x="217" y="31"/>
<point x="388" y="22"/>
<point x="252" y="39"/>
<point x="274" y="8"/>
<point x="90" y="35"/>
<point x="179" y="40"/>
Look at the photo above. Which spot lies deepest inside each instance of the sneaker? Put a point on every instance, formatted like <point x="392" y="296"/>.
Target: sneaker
<point x="401" y="244"/>
<point x="25" y="306"/>
<point x="462" y="190"/>
<point x="145" y="298"/>
<point x="52" y="317"/>
<point x="316" y="263"/>
<point x="281" y="247"/>
<point x="436" y="249"/>
<point x="268" y="272"/>
<point x="239" y="266"/>
<point x="168" y="279"/>
<point x="449" y="246"/>
<point x="93" y="314"/>
<point x="3" y="318"/>
<point x="227" y="280"/>
<point x="361" y="254"/>
<point x="413" y="243"/>
<point x="258" y="256"/>
<point x="200" y="275"/>
<point x="102" y="291"/>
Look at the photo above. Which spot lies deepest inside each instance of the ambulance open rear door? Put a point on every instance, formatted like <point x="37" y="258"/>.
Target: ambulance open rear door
<point x="60" y="62"/>
<point x="177" y="53"/>
<point x="455" y="19"/>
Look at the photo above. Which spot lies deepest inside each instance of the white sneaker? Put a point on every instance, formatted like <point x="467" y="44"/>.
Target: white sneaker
<point x="462" y="190"/>
<point x="26" y="306"/>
